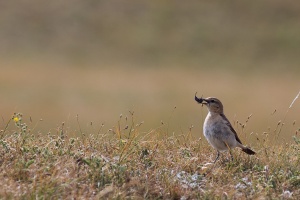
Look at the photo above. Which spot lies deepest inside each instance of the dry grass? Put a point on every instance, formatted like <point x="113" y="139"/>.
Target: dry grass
<point x="93" y="61"/>
<point x="125" y="163"/>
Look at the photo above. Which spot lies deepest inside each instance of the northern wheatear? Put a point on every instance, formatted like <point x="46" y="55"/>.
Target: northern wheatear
<point x="218" y="130"/>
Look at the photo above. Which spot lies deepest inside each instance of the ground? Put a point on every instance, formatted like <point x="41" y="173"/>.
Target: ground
<point x="122" y="163"/>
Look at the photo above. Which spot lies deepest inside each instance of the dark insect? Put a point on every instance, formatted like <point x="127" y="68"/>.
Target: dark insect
<point x="199" y="100"/>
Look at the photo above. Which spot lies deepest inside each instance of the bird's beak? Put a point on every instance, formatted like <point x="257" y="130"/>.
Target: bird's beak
<point x="200" y="100"/>
<point x="205" y="102"/>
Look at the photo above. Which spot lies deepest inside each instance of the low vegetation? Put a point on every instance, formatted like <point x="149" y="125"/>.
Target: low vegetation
<point x="124" y="163"/>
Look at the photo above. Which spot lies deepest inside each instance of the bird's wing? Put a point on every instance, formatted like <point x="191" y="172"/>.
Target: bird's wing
<point x="230" y="127"/>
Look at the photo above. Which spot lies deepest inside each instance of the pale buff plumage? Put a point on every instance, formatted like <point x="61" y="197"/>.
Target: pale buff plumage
<point x="217" y="128"/>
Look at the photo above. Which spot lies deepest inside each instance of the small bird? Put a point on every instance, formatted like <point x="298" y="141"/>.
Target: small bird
<point x="217" y="128"/>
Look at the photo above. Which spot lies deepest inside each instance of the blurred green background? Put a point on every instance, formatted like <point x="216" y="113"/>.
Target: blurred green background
<point x="99" y="59"/>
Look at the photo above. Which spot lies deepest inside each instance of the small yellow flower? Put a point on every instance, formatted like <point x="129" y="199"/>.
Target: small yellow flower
<point x="123" y="141"/>
<point x="16" y="119"/>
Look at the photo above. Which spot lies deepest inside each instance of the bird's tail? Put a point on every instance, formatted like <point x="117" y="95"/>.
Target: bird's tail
<point x="248" y="151"/>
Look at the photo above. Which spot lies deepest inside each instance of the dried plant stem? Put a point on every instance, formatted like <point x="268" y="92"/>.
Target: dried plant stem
<point x="5" y="129"/>
<point x="284" y="118"/>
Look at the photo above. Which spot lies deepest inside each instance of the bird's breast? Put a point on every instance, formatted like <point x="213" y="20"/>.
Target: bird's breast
<point x="212" y="125"/>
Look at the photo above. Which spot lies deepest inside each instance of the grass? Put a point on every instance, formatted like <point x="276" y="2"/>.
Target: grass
<point x="126" y="163"/>
<point x="104" y="58"/>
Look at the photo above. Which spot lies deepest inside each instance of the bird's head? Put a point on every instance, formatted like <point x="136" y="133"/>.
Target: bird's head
<point x="213" y="104"/>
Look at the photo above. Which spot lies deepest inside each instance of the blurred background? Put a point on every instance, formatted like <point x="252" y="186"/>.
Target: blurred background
<point x="100" y="59"/>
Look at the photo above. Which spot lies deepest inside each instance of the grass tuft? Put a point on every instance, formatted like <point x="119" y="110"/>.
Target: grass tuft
<point x="126" y="163"/>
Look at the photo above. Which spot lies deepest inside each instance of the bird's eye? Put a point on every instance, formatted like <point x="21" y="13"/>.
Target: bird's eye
<point x="213" y="101"/>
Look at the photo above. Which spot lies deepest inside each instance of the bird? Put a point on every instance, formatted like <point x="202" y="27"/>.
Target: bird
<point x="218" y="130"/>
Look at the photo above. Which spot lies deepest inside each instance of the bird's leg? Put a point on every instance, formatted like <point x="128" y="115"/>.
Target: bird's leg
<point x="229" y="149"/>
<point x="218" y="155"/>
<point x="231" y="155"/>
